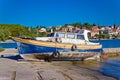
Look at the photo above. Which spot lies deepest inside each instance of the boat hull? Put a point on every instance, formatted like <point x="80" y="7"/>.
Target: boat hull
<point x="57" y="44"/>
<point x="30" y="51"/>
<point x="41" y="50"/>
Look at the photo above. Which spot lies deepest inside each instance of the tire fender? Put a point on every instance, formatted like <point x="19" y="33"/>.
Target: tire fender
<point x="74" y="47"/>
<point x="56" y="54"/>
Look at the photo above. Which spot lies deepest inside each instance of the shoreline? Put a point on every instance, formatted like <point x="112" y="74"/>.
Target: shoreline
<point x="7" y="41"/>
<point x="58" y="70"/>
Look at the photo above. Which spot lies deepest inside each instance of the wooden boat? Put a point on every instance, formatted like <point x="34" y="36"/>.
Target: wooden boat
<point x="58" y="44"/>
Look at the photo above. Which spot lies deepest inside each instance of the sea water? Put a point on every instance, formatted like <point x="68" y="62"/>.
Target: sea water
<point x="111" y="68"/>
<point x="8" y="45"/>
<point x="110" y="43"/>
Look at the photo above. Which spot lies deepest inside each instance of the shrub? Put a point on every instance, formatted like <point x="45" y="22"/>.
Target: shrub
<point x="1" y="49"/>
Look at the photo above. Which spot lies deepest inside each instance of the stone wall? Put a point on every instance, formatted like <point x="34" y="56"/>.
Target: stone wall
<point x="111" y="50"/>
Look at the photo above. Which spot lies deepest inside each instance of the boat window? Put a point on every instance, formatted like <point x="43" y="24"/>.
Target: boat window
<point x="61" y="35"/>
<point x="51" y="35"/>
<point x="72" y="36"/>
<point x="80" y="37"/>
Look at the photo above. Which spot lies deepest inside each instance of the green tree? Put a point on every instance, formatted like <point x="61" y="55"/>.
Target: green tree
<point x="87" y="25"/>
<point x="42" y="34"/>
<point x="94" y="24"/>
<point x="76" y="24"/>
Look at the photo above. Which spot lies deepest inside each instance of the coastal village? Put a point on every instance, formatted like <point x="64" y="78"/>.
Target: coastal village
<point x="96" y="31"/>
<point x="109" y="32"/>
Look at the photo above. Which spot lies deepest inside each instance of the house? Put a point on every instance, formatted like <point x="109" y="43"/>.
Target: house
<point x="84" y="28"/>
<point x="106" y="30"/>
<point x="113" y="30"/>
<point x="118" y="30"/>
<point x="75" y="29"/>
<point x="42" y="30"/>
<point x="95" y="30"/>
<point x="69" y="27"/>
<point x="64" y="29"/>
<point x="58" y="28"/>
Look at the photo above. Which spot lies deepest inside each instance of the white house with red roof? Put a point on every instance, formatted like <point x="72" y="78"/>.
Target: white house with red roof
<point x="95" y="30"/>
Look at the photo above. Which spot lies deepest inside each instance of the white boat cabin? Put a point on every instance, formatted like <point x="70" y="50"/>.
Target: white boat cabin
<point x="81" y="37"/>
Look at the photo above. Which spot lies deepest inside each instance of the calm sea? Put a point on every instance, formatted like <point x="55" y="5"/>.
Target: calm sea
<point x="111" y="68"/>
<point x="8" y="45"/>
<point x="113" y="43"/>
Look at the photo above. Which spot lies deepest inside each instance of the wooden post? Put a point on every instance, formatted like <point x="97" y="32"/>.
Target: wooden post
<point x="13" y="76"/>
<point x="39" y="77"/>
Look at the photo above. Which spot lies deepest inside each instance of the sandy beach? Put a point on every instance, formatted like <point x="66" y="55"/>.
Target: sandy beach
<point x="40" y="70"/>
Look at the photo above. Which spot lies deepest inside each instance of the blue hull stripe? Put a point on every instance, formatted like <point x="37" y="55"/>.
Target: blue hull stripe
<point x="24" y="48"/>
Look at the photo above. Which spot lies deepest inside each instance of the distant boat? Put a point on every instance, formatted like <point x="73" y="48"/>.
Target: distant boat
<point x="58" y="44"/>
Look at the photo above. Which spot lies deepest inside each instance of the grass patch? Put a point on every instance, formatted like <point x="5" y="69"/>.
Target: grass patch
<point x="1" y="49"/>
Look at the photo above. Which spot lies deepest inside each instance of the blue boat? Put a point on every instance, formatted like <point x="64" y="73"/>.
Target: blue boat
<point x="57" y="45"/>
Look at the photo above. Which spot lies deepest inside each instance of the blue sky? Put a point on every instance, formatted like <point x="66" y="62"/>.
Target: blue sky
<point x="59" y="12"/>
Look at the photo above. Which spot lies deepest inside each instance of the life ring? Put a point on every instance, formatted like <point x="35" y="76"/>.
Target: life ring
<point x="56" y="54"/>
<point x="74" y="47"/>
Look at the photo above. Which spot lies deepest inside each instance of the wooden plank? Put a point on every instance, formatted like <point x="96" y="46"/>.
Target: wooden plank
<point x="50" y="75"/>
<point x="13" y="76"/>
<point x="39" y="77"/>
